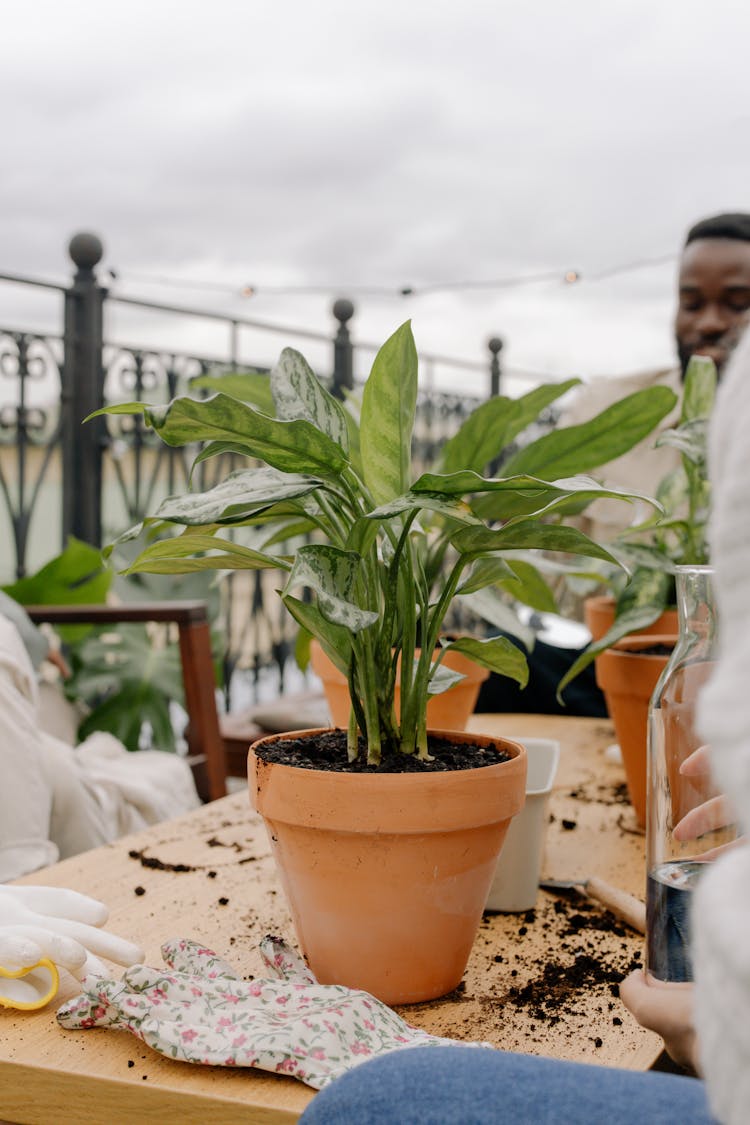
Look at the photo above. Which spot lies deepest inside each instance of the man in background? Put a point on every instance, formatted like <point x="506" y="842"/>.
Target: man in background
<point x="713" y="307"/>
<point x="713" y="302"/>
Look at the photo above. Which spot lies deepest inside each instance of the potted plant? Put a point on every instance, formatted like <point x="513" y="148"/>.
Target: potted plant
<point x="387" y="782"/>
<point x="674" y="536"/>
<point x="631" y="653"/>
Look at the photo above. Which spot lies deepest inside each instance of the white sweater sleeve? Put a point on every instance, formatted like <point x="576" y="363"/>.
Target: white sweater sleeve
<point x="721" y="915"/>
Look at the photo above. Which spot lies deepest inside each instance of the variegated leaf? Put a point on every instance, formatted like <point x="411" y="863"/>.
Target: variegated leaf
<point x="528" y="534"/>
<point x="334" y="640"/>
<point x="295" y="446"/>
<point x="298" y="393"/>
<point x="442" y="679"/>
<point x="183" y="554"/>
<point x="387" y="418"/>
<point x="241" y="494"/>
<point x="332" y="574"/>
<point x="449" y="506"/>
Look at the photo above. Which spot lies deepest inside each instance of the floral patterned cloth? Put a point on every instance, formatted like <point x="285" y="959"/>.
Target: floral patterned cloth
<point x="199" y="1010"/>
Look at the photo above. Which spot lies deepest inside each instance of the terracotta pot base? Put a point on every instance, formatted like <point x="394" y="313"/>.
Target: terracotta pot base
<point x="386" y="875"/>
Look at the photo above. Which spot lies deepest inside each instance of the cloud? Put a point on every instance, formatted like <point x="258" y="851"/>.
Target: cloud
<point x="379" y="144"/>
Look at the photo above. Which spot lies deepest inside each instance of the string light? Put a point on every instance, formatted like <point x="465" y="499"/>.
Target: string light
<point x="568" y="277"/>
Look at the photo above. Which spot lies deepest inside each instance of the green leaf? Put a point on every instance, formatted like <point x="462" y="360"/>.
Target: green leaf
<point x="294" y="529"/>
<point x="74" y="577"/>
<point x="442" y="678"/>
<point x="691" y="439"/>
<point x="183" y="554"/>
<point x="639" y="605"/>
<point x="387" y="418"/>
<point x="127" y="681"/>
<point x="448" y="506"/>
<point x="335" y="641"/>
<point x="583" y="448"/>
<point x="241" y="494"/>
<point x="248" y="386"/>
<point x="647" y="588"/>
<point x="295" y="446"/>
<point x="526" y="534"/>
<point x="117" y="408"/>
<point x="332" y="574"/>
<point x="302" y="644"/>
<point x="636" y="556"/>
<point x="298" y="393"/>
<point x="496" y="653"/>
<point x="503" y="498"/>
<point x="492" y="426"/>
<point x="467" y="482"/>
<point x="527" y="586"/>
<point x="699" y="388"/>
<point x="124" y="713"/>
<point x="491" y="607"/>
<point x="485" y="572"/>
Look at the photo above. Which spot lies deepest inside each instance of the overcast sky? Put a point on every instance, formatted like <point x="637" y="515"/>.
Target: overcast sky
<point x="377" y="144"/>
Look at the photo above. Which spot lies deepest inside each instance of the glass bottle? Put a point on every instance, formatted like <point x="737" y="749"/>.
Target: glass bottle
<point x="678" y="849"/>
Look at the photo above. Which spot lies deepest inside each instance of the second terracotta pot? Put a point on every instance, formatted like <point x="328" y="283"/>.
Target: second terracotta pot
<point x="386" y="875"/>
<point x="627" y="673"/>
<point x="450" y="710"/>
<point x="599" y="616"/>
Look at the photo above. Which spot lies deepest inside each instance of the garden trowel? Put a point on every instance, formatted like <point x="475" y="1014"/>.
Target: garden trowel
<point x="627" y="908"/>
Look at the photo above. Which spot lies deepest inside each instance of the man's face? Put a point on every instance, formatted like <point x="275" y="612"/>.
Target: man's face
<point x="713" y="299"/>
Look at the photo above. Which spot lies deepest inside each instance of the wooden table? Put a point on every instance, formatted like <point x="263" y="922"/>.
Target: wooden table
<point x="516" y="993"/>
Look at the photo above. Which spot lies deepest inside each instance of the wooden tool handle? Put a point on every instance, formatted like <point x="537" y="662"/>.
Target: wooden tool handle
<point x="624" y="906"/>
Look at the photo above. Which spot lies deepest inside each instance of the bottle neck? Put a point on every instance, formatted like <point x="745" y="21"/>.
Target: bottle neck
<point x="696" y="608"/>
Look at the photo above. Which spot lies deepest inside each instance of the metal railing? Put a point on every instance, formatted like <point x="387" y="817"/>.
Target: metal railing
<point x="60" y="478"/>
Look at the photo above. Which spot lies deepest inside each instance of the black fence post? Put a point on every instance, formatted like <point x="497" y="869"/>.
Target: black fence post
<point x="83" y="392"/>
<point x="343" y="365"/>
<point x="495" y="345"/>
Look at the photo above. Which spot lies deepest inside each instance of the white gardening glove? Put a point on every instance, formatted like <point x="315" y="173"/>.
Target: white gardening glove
<point x="199" y="1010"/>
<point x="43" y="929"/>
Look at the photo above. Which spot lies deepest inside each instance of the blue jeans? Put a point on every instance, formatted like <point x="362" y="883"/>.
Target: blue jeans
<point x="468" y="1086"/>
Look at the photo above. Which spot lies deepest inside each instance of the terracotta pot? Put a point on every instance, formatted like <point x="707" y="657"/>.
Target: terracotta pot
<point x="628" y="676"/>
<point x="386" y="875"/>
<point x="448" y="711"/>
<point x="599" y="616"/>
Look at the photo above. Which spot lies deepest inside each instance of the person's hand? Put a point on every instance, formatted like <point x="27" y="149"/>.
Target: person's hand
<point x="55" y="656"/>
<point x="43" y="929"/>
<point x="713" y="814"/>
<point x="199" y="1010"/>
<point x="667" y="1009"/>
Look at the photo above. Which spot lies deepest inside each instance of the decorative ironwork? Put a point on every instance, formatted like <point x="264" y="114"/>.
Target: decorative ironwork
<point x="115" y="471"/>
<point x="30" y="426"/>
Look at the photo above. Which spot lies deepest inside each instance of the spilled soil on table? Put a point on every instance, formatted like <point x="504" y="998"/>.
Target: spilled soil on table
<point x="557" y="975"/>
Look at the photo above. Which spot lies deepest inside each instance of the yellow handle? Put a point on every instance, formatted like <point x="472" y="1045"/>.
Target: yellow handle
<point x="35" y="989"/>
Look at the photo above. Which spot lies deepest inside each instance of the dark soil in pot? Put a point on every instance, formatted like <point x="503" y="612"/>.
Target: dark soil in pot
<point x="327" y="751"/>
<point x="653" y="650"/>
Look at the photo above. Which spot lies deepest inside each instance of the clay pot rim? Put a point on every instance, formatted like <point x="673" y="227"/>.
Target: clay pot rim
<point x="633" y="645"/>
<point x="517" y="750"/>
<point x="400" y="803"/>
